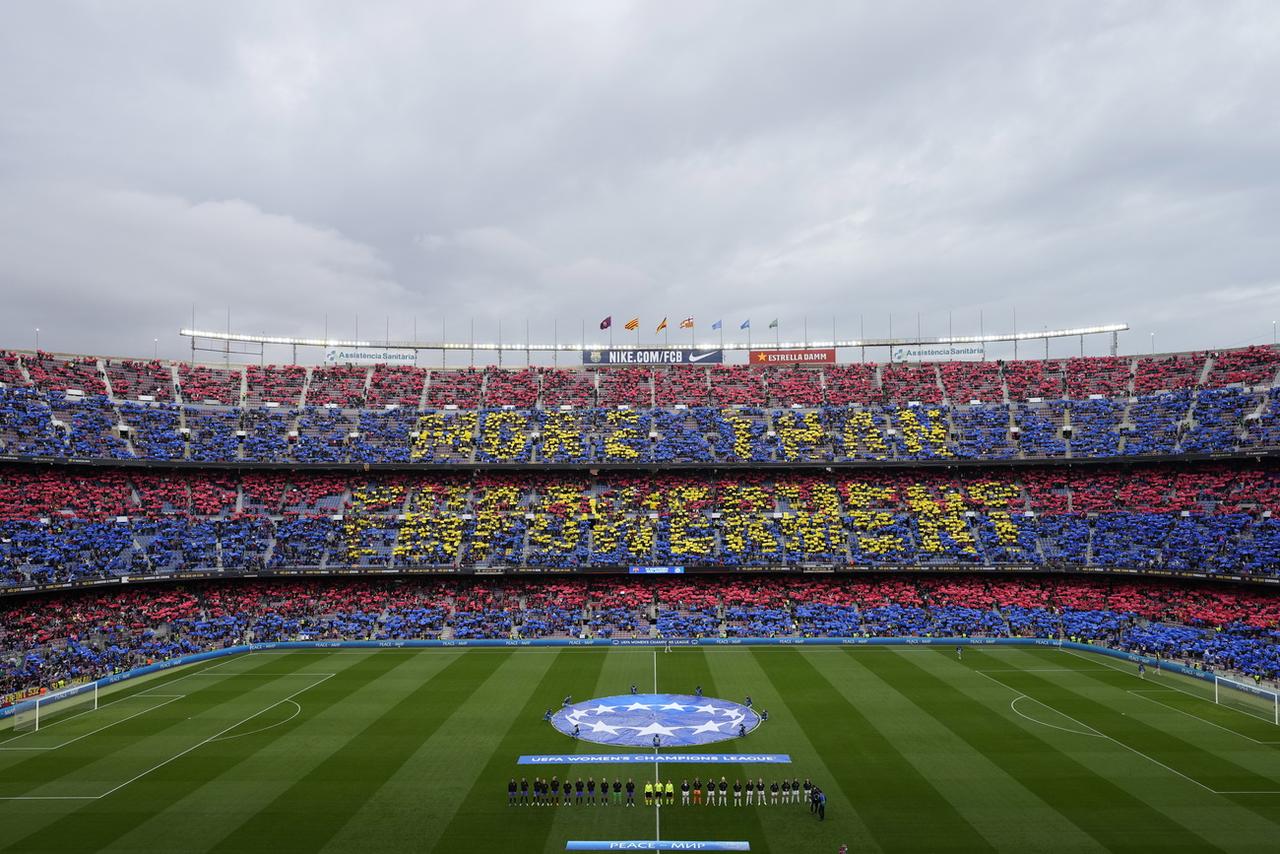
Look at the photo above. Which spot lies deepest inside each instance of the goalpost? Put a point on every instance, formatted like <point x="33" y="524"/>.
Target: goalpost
<point x="1251" y="699"/>
<point x="31" y="715"/>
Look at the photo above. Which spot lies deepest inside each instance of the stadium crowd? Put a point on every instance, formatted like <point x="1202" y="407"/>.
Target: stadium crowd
<point x="1206" y="518"/>
<point x="90" y="408"/>
<point x="47" y="640"/>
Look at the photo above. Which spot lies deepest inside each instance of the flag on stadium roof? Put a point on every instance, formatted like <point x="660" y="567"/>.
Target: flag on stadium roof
<point x="632" y="325"/>
<point x="687" y="323"/>
<point x="662" y="325"/>
<point x="607" y="322"/>
<point x="774" y="325"/>
<point x="715" y="325"/>
<point x="746" y="324"/>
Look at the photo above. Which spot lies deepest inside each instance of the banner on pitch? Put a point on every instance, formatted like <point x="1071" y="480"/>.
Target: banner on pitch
<point x="651" y="758"/>
<point x="822" y="356"/>
<point x="653" y="356"/>
<point x="652" y="845"/>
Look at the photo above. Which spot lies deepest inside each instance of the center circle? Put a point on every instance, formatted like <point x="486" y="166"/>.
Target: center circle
<point x="678" y="720"/>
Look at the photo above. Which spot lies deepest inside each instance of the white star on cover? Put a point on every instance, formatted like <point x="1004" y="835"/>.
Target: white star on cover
<point x="678" y="720"/>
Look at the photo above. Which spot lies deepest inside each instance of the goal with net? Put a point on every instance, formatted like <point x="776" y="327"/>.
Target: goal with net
<point x="1251" y="699"/>
<point x="39" y="712"/>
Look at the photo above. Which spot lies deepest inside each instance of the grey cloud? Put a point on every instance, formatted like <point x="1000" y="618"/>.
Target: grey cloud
<point x="554" y="163"/>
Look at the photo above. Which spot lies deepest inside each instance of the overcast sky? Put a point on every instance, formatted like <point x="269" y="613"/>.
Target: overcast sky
<point x="553" y="163"/>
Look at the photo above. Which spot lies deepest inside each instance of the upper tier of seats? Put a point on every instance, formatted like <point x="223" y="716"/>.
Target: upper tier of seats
<point x="86" y="407"/>
<point x="1215" y="519"/>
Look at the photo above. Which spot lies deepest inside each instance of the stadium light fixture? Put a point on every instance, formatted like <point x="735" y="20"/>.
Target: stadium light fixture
<point x="492" y="346"/>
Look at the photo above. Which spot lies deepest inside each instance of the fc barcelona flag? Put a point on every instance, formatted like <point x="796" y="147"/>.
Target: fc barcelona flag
<point x="607" y="322"/>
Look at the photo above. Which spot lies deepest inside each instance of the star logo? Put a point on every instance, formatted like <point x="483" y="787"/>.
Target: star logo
<point x="677" y="720"/>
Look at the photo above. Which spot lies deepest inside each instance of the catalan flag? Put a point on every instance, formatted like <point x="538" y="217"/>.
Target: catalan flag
<point x="662" y="325"/>
<point x="632" y="325"/>
<point x="687" y="323"/>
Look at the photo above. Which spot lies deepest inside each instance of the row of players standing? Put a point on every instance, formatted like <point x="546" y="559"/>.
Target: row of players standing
<point x="552" y="793"/>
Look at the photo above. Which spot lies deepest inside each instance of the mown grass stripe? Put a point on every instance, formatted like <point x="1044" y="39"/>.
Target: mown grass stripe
<point x="101" y="822"/>
<point x="1084" y="797"/>
<point x="1075" y="697"/>
<point x="892" y="797"/>
<point x="621" y="668"/>
<point x="680" y="672"/>
<point x="1192" y="696"/>
<point x="484" y="822"/>
<point x="410" y="804"/>
<point x="320" y="803"/>
<point x="64" y="771"/>
<point x="792" y="826"/>
<point x="284" y="757"/>
<point x="879" y="683"/>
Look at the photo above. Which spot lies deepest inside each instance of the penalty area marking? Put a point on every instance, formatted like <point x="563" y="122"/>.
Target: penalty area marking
<point x="179" y="755"/>
<point x="171" y="698"/>
<point x="1142" y="693"/>
<point x="297" y="710"/>
<point x="1088" y="730"/>
<point x="1120" y="743"/>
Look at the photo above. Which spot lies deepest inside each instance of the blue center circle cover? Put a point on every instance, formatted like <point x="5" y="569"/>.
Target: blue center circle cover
<point x="632" y="720"/>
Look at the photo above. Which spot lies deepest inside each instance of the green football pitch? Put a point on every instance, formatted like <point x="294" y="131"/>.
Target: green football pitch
<point x="1009" y="749"/>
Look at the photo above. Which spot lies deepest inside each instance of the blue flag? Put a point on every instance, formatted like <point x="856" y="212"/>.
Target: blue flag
<point x="715" y="325"/>
<point x="746" y="324"/>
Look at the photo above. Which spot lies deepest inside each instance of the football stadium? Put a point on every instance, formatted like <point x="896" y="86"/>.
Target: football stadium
<point x="617" y="425"/>
<point x="960" y="605"/>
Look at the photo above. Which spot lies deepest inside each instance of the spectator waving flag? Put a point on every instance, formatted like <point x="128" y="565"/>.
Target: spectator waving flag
<point x="715" y="325"/>
<point x="746" y="324"/>
<point x="632" y="325"/>
<point x="662" y="325"/>
<point x="687" y="323"/>
<point x="607" y="322"/>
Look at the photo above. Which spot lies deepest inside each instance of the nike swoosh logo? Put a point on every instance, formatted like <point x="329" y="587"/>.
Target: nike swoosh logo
<point x="693" y="358"/>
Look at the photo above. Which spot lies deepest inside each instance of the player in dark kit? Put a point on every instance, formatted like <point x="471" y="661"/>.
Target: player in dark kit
<point x="555" y="791"/>
<point x="684" y="793"/>
<point x="737" y="793"/>
<point x="795" y="789"/>
<point x="773" y="793"/>
<point x="808" y="791"/>
<point x="604" y="791"/>
<point x="591" y="790"/>
<point x="631" y="793"/>
<point x="724" y="791"/>
<point x="511" y="792"/>
<point x="786" y="791"/>
<point x="524" y="791"/>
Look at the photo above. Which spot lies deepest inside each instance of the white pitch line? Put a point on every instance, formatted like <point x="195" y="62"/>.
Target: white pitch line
<point x="1135" y="750"/>
<point x="1170" y="684"/>
<point x="160" y="765"/>
<point x="172" y="698"/>
<point x="297" y="710"/>
<point x="213" y="737"/>
<point x="657" y="811"/>
<point x="1093" y="733"/>
<point x="1139" y="692"/>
